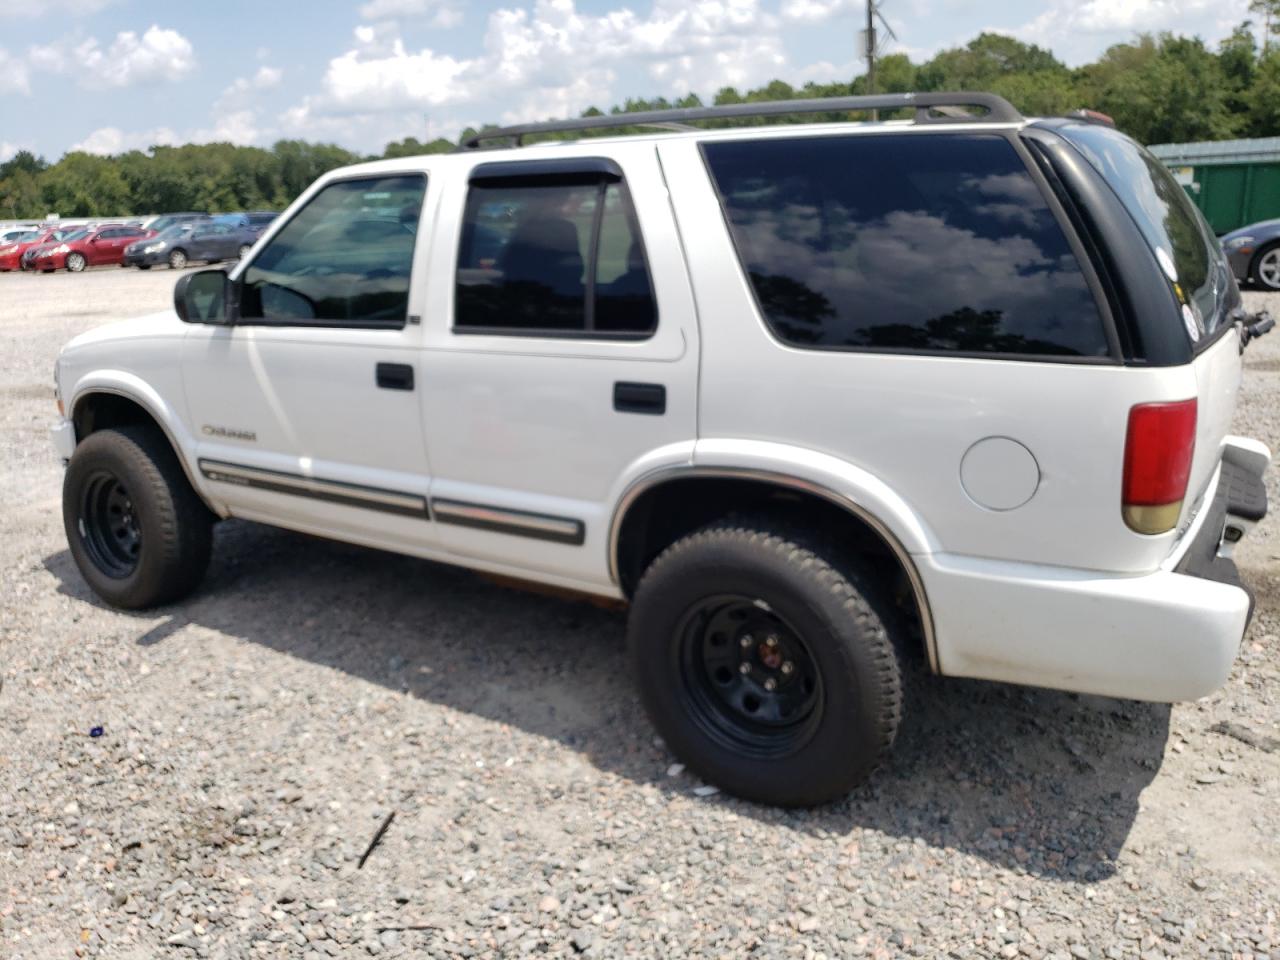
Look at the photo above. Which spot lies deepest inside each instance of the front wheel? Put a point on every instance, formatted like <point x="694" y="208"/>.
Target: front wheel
<point x="137" y="531"/>
<point x="1266" y="267"/>
<point x="76" y="262"/>
<point x="765" y="663"/>
<point x="177" y="259"/>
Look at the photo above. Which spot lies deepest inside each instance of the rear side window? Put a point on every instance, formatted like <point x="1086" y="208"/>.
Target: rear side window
<point x="938" y="243"/>
<point x="1181" y="240"/>
<point x="343" y="260"/>
<point x="546" y="254"/>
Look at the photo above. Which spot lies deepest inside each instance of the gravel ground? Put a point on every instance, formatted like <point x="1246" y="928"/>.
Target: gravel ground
<point x="256" y="736"/>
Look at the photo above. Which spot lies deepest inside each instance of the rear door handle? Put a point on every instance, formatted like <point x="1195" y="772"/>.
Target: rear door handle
<point x="395" y="376"/>
<point x="648" y="398"/>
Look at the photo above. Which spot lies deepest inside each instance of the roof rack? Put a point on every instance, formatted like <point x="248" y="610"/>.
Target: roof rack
<point x="929" y="108"/>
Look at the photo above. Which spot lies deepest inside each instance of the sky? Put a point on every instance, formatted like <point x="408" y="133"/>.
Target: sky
<point x="112" y="75"/>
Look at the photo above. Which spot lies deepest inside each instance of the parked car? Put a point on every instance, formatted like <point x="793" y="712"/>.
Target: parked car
<point x="11" y="252"/>
<point x="1254" y="253"/>
<point x="207" y="240"/>
<point x="89" y="248"/>
<point x="970" y="406"/>
<point x="12" y="235"/>
<point x="162" y="223"/>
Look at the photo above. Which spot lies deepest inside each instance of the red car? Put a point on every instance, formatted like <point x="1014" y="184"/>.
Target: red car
<point x="12" y="251"/>
<point x="88" y="248"/>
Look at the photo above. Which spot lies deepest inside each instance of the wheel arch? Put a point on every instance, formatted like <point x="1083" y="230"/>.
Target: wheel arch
<point x="683" y="498"/>
<point x="101" y="406"/>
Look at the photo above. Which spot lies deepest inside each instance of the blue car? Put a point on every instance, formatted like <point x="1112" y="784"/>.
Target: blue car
<point x="1254" y="253"/>
<point x="183" y="243"/>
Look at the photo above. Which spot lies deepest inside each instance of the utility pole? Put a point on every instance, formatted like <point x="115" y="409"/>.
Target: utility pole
<point x="871" y="53"/>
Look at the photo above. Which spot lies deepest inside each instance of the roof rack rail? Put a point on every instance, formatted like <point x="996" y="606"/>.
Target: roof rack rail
<point x="929" y="108"/>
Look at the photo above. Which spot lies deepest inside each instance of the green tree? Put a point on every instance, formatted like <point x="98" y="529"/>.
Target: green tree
<point x="1162" y="89"/>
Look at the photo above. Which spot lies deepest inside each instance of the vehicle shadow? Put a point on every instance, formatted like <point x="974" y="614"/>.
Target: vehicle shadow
<point x="1033" y="780"/>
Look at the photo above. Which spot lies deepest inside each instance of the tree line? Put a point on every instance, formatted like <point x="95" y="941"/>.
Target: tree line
<point x="1159" y="88"/>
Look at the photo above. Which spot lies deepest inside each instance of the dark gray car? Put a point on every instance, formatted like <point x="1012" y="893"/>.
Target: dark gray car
<point x="206" y="240"/>
<point x="1254" y="253"/>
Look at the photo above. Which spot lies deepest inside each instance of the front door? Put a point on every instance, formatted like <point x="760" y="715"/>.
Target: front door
<point x="306" y="410"/>
<point x="561" y="358"/>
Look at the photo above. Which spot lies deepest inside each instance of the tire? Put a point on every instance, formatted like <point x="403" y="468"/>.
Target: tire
<point x="1265" y="269"/>
<point x="137" y="531"/>
<point x="756" y="593"/>
<point x="177" y="259"/>
<point x="243" y="251"/>
<point x="144" y="266"/>
<point x="76" y="262"/>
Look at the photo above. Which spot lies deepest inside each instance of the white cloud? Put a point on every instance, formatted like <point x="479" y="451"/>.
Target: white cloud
<point x="816" y="11"/>
<point x="1074" y="30"/>
<point x="439" y="13"/>
<point x="14" y="76"/>
<point x="551" y="60"/>
<point x="7" y="150"/>
<point x="158" y="54"/>
<point x="111" y="140"/>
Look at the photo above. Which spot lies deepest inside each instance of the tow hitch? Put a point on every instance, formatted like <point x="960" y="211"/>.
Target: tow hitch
<point x="1253" y="325"/>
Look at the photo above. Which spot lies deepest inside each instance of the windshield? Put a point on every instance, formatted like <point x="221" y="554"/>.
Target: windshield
<point x="1178" y="234"/>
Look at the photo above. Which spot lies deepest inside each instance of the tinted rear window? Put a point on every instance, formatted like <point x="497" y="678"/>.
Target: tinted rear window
<point x="933" y="243"/>
<point x="1177" y="233"/>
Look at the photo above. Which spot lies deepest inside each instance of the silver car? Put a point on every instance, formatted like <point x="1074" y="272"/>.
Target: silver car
<point x="1254" y="253"/>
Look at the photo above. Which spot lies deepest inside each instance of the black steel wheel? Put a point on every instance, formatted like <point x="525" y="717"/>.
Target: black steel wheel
<point x="109" y="525"/>
<point x="764" y="659"/>
<point x="137" y="530"/>
<point x="749" y="677"/>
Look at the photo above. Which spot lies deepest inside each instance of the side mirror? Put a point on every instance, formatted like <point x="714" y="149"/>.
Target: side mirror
<point x="204" y="297"/>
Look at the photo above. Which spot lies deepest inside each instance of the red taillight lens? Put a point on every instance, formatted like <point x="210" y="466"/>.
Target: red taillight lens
<point x="1157" y="464"/>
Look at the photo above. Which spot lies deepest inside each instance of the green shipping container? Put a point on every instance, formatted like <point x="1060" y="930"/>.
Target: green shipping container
<point x="1234" y="182"/>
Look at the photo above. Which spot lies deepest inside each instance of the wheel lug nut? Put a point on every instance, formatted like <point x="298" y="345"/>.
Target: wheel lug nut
<point x="744" y="668"/>
<point x="771" y="641"/>
<point x="746" y="641"/>
<point x="788" y="667"/>
<point x="771" y="684"/>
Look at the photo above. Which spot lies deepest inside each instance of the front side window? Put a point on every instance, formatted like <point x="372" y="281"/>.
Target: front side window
<point x="343" y="260"/>
<point x="543" y="254"/>
<point x="937" y="243"/>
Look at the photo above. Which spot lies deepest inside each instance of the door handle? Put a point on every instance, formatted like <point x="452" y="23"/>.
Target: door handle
<point x="395" y="376"/>
<point x="648" y="398"/>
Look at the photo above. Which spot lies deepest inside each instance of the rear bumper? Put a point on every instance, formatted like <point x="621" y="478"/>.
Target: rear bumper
<point x="1168" y="635"/>
<point x="150" y="259"/>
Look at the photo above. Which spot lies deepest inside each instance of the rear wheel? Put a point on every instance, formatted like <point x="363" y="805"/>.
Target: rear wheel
<point x="1266" y="267"/>
<point x="177" y="259"/>
<point x="137" y="531"/>
<point x="765" y="663"/>
<point x="76" y="262"/>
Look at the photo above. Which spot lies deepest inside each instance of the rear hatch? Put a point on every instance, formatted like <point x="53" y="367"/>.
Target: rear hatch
<point x="1207" y="297"/>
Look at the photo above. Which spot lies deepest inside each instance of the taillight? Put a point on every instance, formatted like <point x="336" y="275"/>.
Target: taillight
<point x="1157" y="464"/>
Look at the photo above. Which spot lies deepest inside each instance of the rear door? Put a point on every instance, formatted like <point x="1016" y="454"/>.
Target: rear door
<point x="561" y="353"/>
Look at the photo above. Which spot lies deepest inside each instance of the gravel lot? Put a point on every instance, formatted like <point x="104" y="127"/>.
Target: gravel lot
<point x="256" y="736"/>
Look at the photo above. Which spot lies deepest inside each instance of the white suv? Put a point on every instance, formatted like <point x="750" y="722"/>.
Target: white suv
<point x="813" y="398"/>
